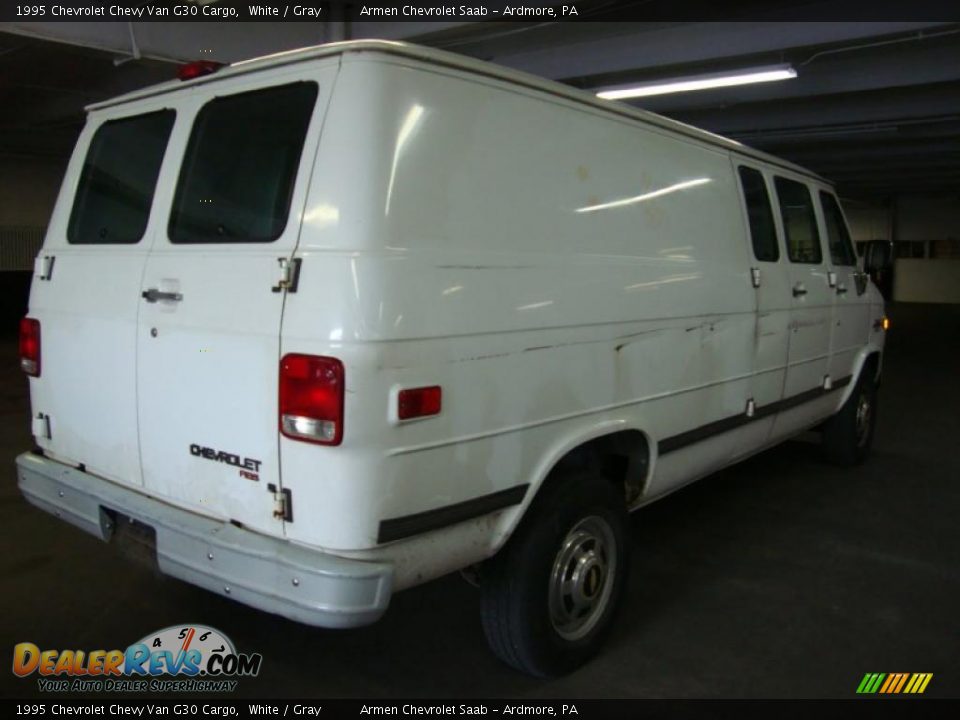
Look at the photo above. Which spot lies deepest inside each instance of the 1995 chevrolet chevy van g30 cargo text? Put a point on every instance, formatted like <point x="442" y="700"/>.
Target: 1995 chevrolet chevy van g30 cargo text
<point x="338" y="321"/>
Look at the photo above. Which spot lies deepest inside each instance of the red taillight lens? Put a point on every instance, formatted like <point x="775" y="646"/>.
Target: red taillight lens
<point x="419" y="402"/>
<point x="30" y="346"/>
<point x="311" y="398"/>
<point x="197" y="69"/>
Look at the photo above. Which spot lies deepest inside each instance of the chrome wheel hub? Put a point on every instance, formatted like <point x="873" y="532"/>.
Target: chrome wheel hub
<point x="864" y="409"/>
<point x="581" y="581"/>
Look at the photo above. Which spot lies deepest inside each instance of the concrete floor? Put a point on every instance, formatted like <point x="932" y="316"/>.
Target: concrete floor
<point x="781" y="577"/>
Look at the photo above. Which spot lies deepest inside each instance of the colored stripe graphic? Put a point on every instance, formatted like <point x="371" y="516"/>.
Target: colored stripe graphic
<point x="892" y="678"/>
<point x="918" y="683"/>
<point x="903" y="679"/>
<point x="894" y="683"/>
<point x="869" y="683"/>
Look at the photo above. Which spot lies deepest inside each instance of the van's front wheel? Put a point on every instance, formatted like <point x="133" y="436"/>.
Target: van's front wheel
<point x="848" y="435"/>
<point x="549" y="596"/>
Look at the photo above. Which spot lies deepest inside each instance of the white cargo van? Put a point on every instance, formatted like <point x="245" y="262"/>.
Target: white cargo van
<point x="328" y="324"/>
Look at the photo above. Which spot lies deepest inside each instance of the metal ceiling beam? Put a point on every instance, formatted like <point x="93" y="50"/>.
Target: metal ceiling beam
<point x="224" y="42"/>
<point x="884" y="108"/>
<point x="915" y="153"/>
<point x="911" y="62"/>
<point x="646" y="46"/>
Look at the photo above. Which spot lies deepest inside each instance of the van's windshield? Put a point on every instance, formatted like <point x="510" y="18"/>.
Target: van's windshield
<point x="241" y="161"/>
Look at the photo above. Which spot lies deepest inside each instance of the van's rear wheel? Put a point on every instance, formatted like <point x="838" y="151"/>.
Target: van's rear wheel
<point x="848" y="435"/>
<point x="549" y="596"/>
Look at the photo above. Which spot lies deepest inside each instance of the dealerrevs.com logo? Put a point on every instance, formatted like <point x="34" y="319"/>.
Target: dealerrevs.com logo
<point x="187" y="658"/>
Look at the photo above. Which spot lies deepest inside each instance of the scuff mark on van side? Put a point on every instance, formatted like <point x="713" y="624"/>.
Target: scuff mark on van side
<point x="484" y="267"/>
<point x="481" y="357"/>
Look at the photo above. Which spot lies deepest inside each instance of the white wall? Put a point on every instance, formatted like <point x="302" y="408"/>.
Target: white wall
<point x="28" y="189"/>
<point x="928" y="218"/>
<point x="931" y="220"/>
<point x="868" y="221"/>
<point x="922" y="219"/>
<point x="931" y="281"/>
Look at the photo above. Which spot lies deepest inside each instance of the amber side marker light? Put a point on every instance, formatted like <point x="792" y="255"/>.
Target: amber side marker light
<point x="885" y="323"/>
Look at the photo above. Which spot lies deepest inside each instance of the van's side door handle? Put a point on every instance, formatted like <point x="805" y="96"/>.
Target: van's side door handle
<point x="799" y="290"/>
<point x="841" y="289"/>
<point x="152" y="295"/>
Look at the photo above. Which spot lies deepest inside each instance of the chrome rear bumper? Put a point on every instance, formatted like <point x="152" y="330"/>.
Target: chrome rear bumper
<point x="272" y="574"/>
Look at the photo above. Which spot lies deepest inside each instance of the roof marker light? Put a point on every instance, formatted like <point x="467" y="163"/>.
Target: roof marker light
<point x="197" y="68"/>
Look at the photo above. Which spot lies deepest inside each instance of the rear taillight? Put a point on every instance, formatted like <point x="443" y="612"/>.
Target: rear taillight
<point x="311" y="398"/>
<point x="30" y="346"/>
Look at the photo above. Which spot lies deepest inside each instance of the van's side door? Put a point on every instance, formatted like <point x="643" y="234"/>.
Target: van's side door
<point x="811" y="298"/>
<point x="771" y="281"/>
<point x="851" y="312"/>
<point x="213" y="292"/>
<point x="86" y="291"/>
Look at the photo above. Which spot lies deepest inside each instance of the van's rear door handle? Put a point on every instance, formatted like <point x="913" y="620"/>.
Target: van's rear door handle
<point x="152" y="295"/>
<point x="799" y="290"/>
<point x="841" y="289"/>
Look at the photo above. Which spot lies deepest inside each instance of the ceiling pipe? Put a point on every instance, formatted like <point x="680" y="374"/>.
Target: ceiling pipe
<point x="913" y="37"/>
<point x="134" y="49"/>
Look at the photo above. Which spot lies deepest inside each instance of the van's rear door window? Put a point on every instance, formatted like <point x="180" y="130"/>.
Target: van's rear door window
<point x="240" y="165"/>
<point x="118" y="179"/>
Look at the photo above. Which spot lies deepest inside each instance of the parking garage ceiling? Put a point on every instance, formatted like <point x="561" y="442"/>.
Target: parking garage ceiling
<point x="875" y="105"/>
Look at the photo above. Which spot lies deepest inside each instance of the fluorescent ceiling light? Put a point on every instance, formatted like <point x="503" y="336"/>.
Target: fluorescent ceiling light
<point x="701" y="82"/>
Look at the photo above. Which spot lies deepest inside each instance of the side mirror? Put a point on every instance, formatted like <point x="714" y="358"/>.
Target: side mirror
<point x="877" y="256"/>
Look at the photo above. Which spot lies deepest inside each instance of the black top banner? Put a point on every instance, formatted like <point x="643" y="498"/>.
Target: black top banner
<point x="192" y="707"/>
<point x="535" y="11"/>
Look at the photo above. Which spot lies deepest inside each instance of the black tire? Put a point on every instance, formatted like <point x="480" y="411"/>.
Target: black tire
<point x="848" y="435"/>
<point x="574" y="537"/>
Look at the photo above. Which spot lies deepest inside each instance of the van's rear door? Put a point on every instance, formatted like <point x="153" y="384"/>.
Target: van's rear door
<point x="211" y="300"/>
<point x="86" y="292"/>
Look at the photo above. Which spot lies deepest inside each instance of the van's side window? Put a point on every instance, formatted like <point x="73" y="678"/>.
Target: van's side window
<point x="762" y="230"/>
<point x="116" y="185"/>
<point x="799" y="222"/>
<point x="841" y="249"/>
<point x="240" y="165"/>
